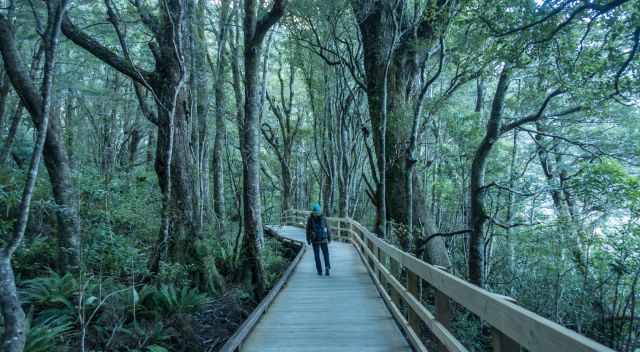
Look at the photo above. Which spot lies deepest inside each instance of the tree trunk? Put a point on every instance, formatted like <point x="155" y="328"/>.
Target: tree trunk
<point x="132" y="149"/>
<point x="478" y="216"/>
<point x="174" y="162"/>
<point x="14" y="336"/>
<point x="200" y="93"/>
<point x="55" y="154"/>
<point x="569" y="226"/>
<point x="149" y="152"/>
<point x="5" y="84"/>
<point x="180" y="242"/>
<point x="254" y="32"/>
<point x="217" y="164"/>
<point x="327" y="194"/>
<point x="17" y="115"/>
<point x="7" y="146"/>
<point x="14" y="318"/>
<point x="285" y="171"/>
<point x="251" y="168"/>
<point x="373" y="23"/>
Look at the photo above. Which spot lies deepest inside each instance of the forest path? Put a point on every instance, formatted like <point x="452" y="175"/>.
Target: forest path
<point x="342" y="312"/>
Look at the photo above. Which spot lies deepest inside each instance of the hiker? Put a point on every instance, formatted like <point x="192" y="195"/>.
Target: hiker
<point x="319" y="236"/>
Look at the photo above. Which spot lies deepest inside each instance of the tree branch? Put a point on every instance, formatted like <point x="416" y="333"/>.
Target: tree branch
<point x="91" y="45"/>
<point x="266" y="22"/>
<point x="539" y="114"/>
<point x="632" y="54"/>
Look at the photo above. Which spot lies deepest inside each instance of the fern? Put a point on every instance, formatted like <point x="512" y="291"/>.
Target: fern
<point x="52" y="297"/>
<point x="170" y="301"/>
<point x="44" y="336"/>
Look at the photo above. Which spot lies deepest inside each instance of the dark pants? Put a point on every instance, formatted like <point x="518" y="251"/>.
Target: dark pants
<point x="325" y="252"/>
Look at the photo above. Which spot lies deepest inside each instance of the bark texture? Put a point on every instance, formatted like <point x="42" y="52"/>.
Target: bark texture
<point x="255" y="30"/>
<point x="217" y="164"/>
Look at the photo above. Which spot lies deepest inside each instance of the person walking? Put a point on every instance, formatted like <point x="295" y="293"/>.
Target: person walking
<point x="319" y="236"/>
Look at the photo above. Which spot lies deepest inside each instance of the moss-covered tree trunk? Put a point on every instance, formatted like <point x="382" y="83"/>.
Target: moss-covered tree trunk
<point x="375" y="26"/>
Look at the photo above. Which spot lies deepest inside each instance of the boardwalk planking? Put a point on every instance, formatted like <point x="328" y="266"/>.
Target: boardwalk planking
<point x="343" y="312"/>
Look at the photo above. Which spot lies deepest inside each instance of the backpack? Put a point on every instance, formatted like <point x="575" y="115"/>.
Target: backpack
<point x="319" y="233"/>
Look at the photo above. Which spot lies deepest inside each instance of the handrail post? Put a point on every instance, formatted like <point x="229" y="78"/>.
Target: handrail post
<point x="395" y="271"/>
<point x="370" y="246"/>
<point x="381" y="256"/>
<point x="443" y="309"/>
<point x="347" y="228"/>
<point x="502" y="342"/>
<point x="413" y="286"/>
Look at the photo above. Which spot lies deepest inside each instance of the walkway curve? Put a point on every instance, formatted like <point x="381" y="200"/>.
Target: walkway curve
<point x="343" y="312"/>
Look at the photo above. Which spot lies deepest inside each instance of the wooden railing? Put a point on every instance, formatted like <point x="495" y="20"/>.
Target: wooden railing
<point x="399" y="277"/>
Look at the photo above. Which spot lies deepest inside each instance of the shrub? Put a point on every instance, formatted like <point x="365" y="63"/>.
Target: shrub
<point x="45" y="336"/>
<point x="52" y="298"/>
<point x="274" y="261"/>
<point x="168" y="301"/>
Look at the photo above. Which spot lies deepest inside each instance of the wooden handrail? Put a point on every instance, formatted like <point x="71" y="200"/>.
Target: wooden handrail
<point x="513" y="326"/>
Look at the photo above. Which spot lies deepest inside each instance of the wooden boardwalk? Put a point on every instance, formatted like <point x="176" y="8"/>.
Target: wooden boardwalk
<point x="343" y="312"/>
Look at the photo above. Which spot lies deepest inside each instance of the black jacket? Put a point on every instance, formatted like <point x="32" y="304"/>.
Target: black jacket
<point x="323" y="222"/>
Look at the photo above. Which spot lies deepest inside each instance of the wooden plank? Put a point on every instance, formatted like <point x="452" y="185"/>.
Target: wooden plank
<point x="414" y="339"/>
<point x="443" y="313"/>
<point x="247" y="326"/>
<point x="343" y="312"/>
<point x="370" y="255"/>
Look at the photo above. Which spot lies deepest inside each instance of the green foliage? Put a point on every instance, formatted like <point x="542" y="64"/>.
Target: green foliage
<point x="274" y="262"/>
<point x="46" y="336"/>
<point x="52" y="297"/>
<point x="607" y="184"/>
<point x="167" y="300"/>
<point x="35" y="257"/>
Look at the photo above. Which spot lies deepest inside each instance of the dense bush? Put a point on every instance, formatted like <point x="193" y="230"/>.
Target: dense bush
<point x="112" y="303"/>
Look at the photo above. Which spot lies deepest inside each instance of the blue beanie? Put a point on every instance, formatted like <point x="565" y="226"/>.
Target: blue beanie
<point x="316" y="208"/>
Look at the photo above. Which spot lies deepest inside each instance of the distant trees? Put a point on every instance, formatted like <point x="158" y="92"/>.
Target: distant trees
<point x="282" y="137"/>
<point x="553" y="89"/>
